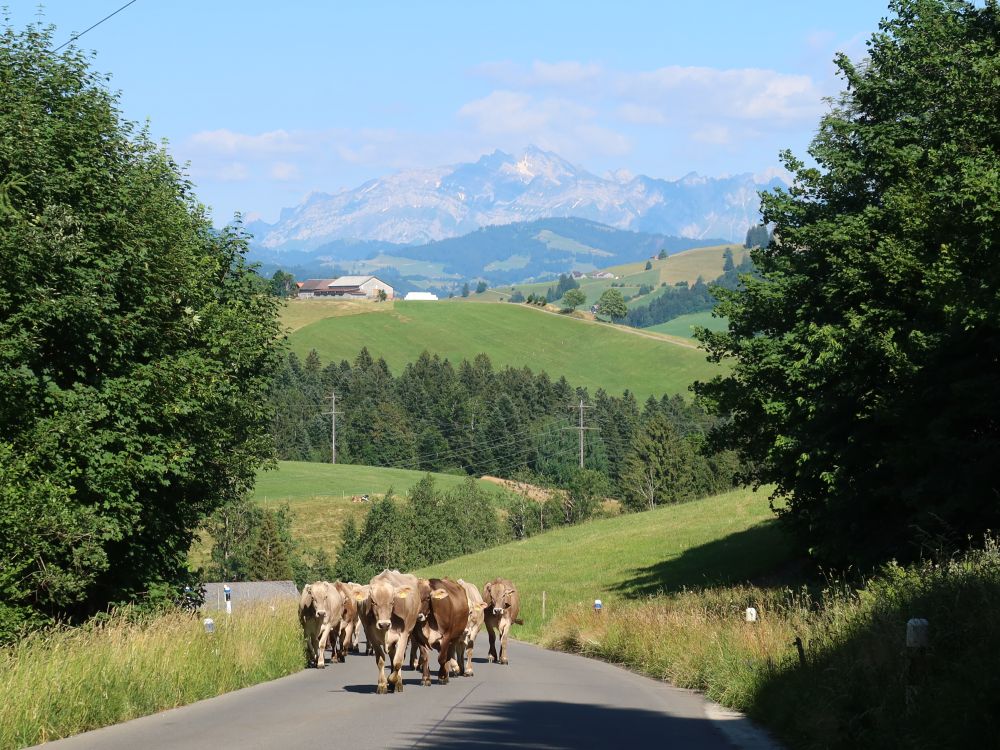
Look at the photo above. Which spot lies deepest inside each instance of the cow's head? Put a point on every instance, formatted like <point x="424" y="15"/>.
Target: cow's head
<point x="498" y="597"/>
<point x="314" y="598"/>
<point x="382" y="597"/>
<point x="475" y="617"/>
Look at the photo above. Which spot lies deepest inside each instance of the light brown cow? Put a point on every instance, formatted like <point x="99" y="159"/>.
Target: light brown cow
<point x="320" y="609"/>
<point x="444" y="613"/>
<point x="463" y="651"/>
<point x="388" y="614"/>
<point x="347" y="637"/>
<point x="502" y="607"/>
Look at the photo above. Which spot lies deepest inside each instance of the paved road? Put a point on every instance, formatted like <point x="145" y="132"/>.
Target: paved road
<point x="542" y="700"/>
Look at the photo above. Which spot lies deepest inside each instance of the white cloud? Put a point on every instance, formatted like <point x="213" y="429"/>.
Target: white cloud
<point x="284" y="171"/>
<point x="717" y="135"/>
<point x="559" y="124"/>
<point x="232" y="172"/>
<point x="640" y="114"/>
<point x="229" y="142"/>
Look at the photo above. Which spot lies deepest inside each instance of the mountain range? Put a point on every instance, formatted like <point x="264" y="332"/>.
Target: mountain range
<point x="415" y="207"/>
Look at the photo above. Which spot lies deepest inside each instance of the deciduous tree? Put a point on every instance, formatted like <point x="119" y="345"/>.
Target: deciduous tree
<point x="864" y="381"/>
<point x="136" y="347"/>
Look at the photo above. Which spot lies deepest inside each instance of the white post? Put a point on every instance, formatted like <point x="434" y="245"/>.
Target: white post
<point x="543" y="605"/>
<point x="229" y="599"/>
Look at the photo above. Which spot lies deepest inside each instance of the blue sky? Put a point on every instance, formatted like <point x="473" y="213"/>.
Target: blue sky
<point x="268" y="102"/>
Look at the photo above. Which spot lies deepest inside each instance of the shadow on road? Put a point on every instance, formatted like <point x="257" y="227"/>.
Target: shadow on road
<point x="564" y="726"/>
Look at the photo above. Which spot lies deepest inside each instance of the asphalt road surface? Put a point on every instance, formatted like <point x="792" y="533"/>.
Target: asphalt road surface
<point x="542" y="699"/>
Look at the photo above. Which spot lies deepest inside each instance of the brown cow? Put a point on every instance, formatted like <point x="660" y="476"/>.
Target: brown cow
<point x="347" y="637"/>
<point x="320" y="609"/>
<point x="444" y="613"/>
<point x="388" y="614"/>
<point x="502" y="607"/>
<point x="473" y="625"/>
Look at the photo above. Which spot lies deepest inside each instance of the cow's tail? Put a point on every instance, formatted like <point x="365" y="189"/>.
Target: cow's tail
<point x="519" y="621"/>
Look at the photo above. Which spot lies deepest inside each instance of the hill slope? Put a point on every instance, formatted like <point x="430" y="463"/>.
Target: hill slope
<point x="586" y="354"/>
<point x="319" y="495"/>
<point x="726" y="538"/>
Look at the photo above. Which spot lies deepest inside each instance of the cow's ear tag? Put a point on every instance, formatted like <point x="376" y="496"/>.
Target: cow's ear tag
<point x="359" y="597"/>
<point x="439" y="593"/>
<point x="403" y="593"/>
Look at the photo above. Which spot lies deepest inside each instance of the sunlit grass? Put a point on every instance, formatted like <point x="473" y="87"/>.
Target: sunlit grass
<point x="68" y="680"/>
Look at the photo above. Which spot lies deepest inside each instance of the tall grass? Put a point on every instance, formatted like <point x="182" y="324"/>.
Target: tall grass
<point x="68" y="680"/>
<point x="860" y="685"/>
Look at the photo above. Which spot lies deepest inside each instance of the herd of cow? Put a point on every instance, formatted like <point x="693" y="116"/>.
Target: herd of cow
<point x="395" y="609"/>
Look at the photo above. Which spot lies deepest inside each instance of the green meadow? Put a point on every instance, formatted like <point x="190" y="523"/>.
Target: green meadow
<point x="594" y="356"/>
<point x="320" y="495"/>
<point x="684" y="325"/>
<point x="726" y="538"/>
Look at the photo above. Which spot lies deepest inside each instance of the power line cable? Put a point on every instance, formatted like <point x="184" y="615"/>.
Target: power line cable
<point x="91" y="28"/>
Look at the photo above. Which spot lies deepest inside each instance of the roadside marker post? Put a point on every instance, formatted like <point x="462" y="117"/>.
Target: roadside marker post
<point x="598" y="606"/>
<point x="209" y="624"/>
<point x="918" y="639"/>
<point x="229" y="598"/>
<point x="751" y="614"/>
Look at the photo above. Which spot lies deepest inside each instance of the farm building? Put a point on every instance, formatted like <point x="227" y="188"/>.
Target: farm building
<point x="358" y="287"/>
<point x="420" y="296"/>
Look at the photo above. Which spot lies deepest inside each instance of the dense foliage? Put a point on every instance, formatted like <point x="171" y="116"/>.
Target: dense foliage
<point x="865" y="368"/>
<point x="136" y="348"/>
<point x="428" y="527"/>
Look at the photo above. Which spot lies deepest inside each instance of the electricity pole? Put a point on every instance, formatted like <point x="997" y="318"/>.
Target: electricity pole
<point x="333" y="426"/>
<point x="581" y="429"/>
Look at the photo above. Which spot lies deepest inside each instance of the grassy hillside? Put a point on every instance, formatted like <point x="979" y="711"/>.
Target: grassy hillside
<point x="587" y="354"/>
<point x="726" y="538"/>
<point x="319" y="495"/>
<point x="705" y="262"/>
<point x="684" y="324"/>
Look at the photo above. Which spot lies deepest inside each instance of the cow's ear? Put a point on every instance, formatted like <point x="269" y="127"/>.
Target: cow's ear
<point x="512" y="591"/>
<point x="403" y="592"/>
<point x="360" y="596"/>
<point x="439" y="593"/>
<point x="307" y="589"/>
<point x="481" y="605"/>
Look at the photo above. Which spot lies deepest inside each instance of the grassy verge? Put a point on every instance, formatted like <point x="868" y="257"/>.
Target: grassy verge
<point x="726" y="538"/>
<point x="852" y="690"/>
<point x="60" y="682"/>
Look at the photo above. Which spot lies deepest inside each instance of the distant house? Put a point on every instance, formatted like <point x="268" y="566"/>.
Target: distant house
<point x="357" y="287"/>
<point x="244" y="592"/>
<point x="602" y="275"/>
<point x="578" y="274"/>
<point x="420" y="297"/>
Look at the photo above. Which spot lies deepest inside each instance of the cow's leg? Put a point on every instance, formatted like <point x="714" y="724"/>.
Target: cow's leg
<point x="504" y="631"/>
<point x="383" y="686"/>
<point x="398" y="654"/>
<point x="354" y="638"/>
<point x="324" y="637"/>
<point x="414" y="651"/>
<point x="444" y="648"/>
<point x="457" y="665"/>
<point x="310" y="650"/>
<point x="492" y="656"/>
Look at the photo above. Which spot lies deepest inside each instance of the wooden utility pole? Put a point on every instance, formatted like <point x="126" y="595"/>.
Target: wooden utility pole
<point x="333" y="426"/>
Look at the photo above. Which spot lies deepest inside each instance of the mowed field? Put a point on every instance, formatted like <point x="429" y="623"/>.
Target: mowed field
<point x="727" y="538"/>
<point x="587" y="354"/>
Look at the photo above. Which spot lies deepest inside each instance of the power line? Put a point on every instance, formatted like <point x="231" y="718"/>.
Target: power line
<point x="91" y="28"/>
